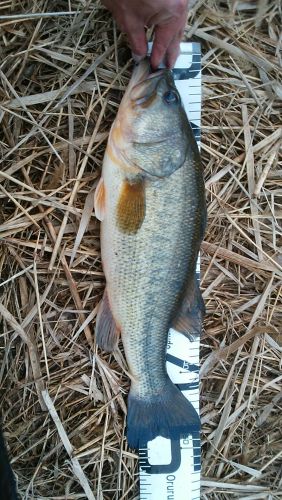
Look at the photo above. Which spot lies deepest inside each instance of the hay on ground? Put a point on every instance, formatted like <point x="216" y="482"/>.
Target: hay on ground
<point x="63" y="401"/>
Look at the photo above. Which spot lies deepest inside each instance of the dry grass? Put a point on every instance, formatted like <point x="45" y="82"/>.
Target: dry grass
<point x="63" y="402"/>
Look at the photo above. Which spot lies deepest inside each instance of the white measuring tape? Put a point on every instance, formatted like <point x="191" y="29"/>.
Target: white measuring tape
<point x="170" y="470"/>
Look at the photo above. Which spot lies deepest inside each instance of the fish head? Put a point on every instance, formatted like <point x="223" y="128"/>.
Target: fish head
<point x="149" y="132"/>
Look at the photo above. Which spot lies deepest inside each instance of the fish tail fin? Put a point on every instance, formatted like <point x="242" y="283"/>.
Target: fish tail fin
<point x="169" y="414"/>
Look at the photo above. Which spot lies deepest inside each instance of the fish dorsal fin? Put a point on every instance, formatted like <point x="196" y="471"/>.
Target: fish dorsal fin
<point x="107" y="333"/>
<point x="189" y="317"/>
<point x="99" y="200"/>
<point x="131" y="206"/>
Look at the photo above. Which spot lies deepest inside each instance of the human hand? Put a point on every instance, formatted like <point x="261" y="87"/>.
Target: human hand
<point x="168" y="17"/>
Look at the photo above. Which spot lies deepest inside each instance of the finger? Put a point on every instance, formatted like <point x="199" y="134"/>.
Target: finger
<point x="162" y="38"/>
<point x="134" y="28"/>
<point x="173" y="49"/>
<point x="172" y="53"/>
<point x="137" y="41"/>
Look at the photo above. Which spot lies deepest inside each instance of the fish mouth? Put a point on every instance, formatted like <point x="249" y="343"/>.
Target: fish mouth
<point x="145" y="82"/>
<point x="143" y="72"/>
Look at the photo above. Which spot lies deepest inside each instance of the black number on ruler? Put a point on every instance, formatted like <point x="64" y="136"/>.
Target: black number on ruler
<point x="188" y="73"/>
<point x="191" y="367"/>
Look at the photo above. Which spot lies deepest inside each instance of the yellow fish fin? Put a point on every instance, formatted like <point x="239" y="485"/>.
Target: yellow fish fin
<point x="189" y="317"/>
<point x="99" y="200"/>
<point x="131" y="206"/>
<point x="107" y="332"/>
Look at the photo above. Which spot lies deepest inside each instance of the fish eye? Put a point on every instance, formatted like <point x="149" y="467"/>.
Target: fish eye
<point x="171" y="97"/>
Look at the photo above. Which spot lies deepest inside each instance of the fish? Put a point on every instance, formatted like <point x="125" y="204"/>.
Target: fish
<point x="150" y="200"/>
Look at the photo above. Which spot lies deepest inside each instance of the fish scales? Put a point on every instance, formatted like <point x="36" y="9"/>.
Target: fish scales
<point x="150" y="267"/>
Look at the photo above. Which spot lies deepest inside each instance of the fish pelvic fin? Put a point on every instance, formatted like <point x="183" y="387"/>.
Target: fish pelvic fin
<point x="107" y="332"/>
<point x="168" y="414"/>
<point x="99" y="200"/>
<point x="131" y="206"/>
<point x="189" y="317"/>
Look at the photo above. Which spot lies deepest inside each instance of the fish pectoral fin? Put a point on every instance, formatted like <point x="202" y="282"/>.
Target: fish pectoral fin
<point x="107" y="332"/>
<point x="188" y="320"/>
<point x="131" y="206"/>
<point x="99" y="200"/>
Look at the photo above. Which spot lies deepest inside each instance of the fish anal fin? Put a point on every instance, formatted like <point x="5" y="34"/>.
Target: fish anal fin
<point x="131" y="206"/>
<point x="99" y="200"/>
<point x="107" y="332"/>
<point x="189" y="317"/>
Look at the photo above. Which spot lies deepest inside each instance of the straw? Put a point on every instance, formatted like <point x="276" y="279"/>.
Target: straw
<point x="64" y="401"/>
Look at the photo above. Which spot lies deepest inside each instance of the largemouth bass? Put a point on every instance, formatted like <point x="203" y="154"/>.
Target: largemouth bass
<point x="151" y="204"/>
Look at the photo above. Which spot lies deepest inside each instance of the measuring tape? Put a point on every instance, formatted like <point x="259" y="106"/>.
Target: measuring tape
<point x="170" y="470"/>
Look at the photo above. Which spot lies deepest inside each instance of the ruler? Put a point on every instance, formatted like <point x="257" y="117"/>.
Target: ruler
<point x="169" y="469"/>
